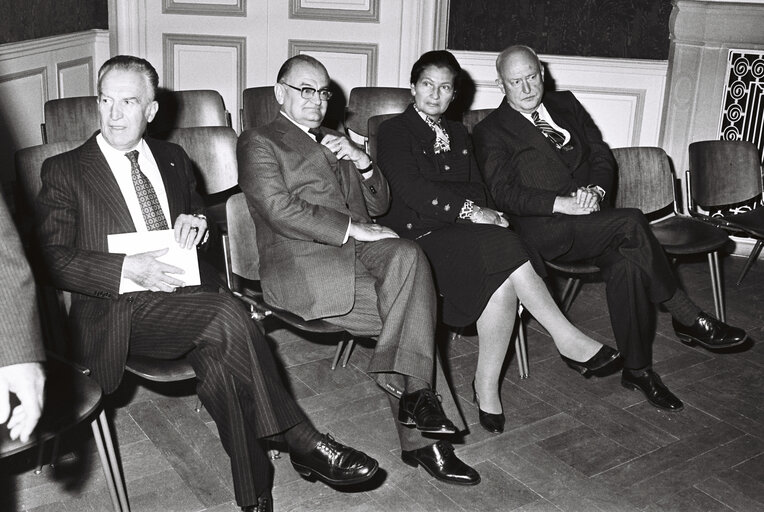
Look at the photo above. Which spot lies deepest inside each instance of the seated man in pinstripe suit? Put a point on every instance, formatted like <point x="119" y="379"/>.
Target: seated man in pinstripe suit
<point x="312" y="194"/>
<point x="119" y="182"/>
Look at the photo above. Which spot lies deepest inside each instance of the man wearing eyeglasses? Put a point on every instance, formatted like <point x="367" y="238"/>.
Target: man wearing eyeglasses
<point x="312" y="194"/>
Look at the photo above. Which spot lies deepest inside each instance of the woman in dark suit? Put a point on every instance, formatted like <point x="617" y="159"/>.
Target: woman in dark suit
<point x="479" y="265"/>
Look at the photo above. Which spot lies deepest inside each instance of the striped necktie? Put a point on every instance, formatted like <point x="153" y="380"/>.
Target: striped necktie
<point x="147" y="196"/>
<point x="550" y="133"/>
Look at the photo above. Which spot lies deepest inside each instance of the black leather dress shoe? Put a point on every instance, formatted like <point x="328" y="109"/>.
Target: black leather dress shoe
<point x="651" y="385"/>
<point x="710" y="332"/>
<point x="442" y="463"/>
<point x="493" y="423"/>
<point x="264" y="504"/>
<point x="422" y="409"/>
<point x="604" y="357"/>
<point x="334" y="463"/>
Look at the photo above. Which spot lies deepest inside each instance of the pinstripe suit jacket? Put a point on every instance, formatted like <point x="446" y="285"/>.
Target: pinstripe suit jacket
<point x="80" y="204"/>
<point x="525" y="173"/>
<point x="302" y="200"/>
<point x="20" y="334"/>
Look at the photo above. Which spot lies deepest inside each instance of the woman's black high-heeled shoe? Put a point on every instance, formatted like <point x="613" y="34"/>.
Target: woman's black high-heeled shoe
<point x="493" y="423"/>
<point x="604" y="357"/>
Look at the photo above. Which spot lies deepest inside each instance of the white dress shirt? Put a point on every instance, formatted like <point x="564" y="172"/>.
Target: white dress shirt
<point x="121" y="169"/>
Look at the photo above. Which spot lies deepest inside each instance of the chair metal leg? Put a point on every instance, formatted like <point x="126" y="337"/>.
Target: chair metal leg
<point x="521" y="346"/>
<point x="107" y="470"/>
<point x="348" y="350"/>
<point x="717" y="286"/>
<point x="751" y="260"/>
<point x="114" y="462"/>
<point x="198" y="406"/>
<point x="54" y="451"/>
<point x="337" y="353"/>
<point x="40" y="456"/>
<point x="569" y="293"/>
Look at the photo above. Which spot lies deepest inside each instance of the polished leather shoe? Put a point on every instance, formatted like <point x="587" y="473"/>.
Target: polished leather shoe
<point x="264" y="504"/>
<point x="493" y="423"/>
<point x="442" y="463"/>
<point x="604" y="357"/>
<point x="709" y="332"/>
<point x="651" y="385"/>
<point x="422" y="409"/>
<point x="334" y="463"/>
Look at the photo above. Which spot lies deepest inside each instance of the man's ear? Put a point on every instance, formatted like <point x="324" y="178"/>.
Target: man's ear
<point x="501" y="86"/>
<point x="151" y="110"/>
<point x="278" y="90"/>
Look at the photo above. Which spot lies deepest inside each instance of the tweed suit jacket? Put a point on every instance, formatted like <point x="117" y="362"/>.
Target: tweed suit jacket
<point x="20" y="333"/>
<point x="301" y="199"/>
<point x="525" y="173"/>
<point x="80" y="203"/>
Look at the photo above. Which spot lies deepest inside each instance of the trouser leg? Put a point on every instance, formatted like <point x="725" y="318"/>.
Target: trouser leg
<point x="237" y="376"/>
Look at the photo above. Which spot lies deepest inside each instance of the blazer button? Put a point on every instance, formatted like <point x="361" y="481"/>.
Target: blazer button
<point x="130" y="299"/>
<point x="447" y="167"/>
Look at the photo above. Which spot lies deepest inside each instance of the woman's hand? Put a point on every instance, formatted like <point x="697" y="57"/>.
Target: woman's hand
<point x="489" y="216"/>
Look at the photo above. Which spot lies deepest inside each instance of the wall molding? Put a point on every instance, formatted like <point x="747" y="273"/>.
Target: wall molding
<point x="370" y="50"/>
<point x="297" y="10"/>
<point x="204" y="9"/>
<point x="170" y="41"/>
<point x="10" y="51"/>
<point x="68" y="64"/>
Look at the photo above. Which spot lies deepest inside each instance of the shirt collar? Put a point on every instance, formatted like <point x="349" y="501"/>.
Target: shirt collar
<point x="111" y="152"/>
<point x="298" y="125"/>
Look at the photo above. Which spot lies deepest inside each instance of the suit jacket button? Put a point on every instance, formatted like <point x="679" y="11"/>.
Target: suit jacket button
<point x="373" y="190"/>
<point x="447" y="167"/>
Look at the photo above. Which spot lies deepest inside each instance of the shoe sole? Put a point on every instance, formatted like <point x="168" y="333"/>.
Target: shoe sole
<point x="634" y="387"/>
<point x="414" y="462"/>
<point x="311" y="474"/>
<point x="691" y="340"/>
<point x="412" y="424"/>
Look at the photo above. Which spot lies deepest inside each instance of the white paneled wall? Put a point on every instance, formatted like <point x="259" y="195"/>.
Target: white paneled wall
<point x="32" y="72"/>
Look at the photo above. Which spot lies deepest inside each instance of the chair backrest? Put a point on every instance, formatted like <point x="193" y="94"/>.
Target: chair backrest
<point x="185" y="109"/>
<point x="243" y="258"/>
<point x="472" y="117"/>
<point x="366" y="102"/>
<point x="70" y="119"/>
<point x="645" y="179"/>
<point x="724" y="172"/>
<point x="373" y="130"/>
<point x="212" y="149"/>
<point x="259" y="107"/>
<point x="29" y="163"/>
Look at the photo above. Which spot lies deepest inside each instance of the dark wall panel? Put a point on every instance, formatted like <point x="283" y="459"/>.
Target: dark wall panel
<point x="636" y="29"/>
<point x="30" y="19"/>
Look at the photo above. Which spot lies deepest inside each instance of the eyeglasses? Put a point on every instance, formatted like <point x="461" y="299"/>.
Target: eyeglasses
<point x="308" y="93"/>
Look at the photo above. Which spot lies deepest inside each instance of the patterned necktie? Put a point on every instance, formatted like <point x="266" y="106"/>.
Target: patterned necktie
<point x="147" y="197"/>
<point x="317" y="133"/>
<point x="550" y="133"/>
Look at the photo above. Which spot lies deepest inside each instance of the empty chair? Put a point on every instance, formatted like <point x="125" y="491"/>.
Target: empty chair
<point x="70" y="119"/>
<point x="373" y="130"/>
<point x="365" y="102"/>
<point x="184" y="109"/>
<point x="724" y="179"/>
<point x="259" y="107"/>
<point x="243" y="265"/>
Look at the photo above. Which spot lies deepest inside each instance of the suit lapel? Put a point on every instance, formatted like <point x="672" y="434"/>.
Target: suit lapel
<point x="98" y="176"/>
<point x="301" y="143"/>
<point x="525" y="130"/>
<point x="564" y="118"/>
<point x="168" y="169"/>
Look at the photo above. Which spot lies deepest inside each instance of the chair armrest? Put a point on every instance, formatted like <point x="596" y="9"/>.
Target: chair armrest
<point x="257" y="310"/>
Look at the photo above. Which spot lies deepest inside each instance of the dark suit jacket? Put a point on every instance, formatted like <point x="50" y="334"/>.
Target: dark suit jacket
<point x="301" y="207"/>
<point x="79" y="205"/>
<point x="428" y="189"/>
<point x="525" y="173"/>
<point x="20" y="334"/>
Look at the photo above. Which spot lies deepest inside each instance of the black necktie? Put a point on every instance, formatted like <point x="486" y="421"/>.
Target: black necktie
<point x="147" y="197"/>
<point x="317" y="133"/>
<point x="550" y="133"/>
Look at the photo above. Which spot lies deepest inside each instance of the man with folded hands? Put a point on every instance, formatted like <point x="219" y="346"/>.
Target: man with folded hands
<point x="312" y="194"/>
<point x="120" y="182"/>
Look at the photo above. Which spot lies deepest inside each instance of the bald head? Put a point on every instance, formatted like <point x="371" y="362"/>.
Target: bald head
<point x="521" y="78"/>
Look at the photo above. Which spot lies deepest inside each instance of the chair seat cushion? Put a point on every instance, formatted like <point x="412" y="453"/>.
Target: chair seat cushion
<point x="683" y="235"/>
<point x="751" y="222"/>
<point x="160" y="370"/>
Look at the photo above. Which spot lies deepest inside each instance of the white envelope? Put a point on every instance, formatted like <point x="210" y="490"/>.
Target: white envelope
<point x="134" y="243"/>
